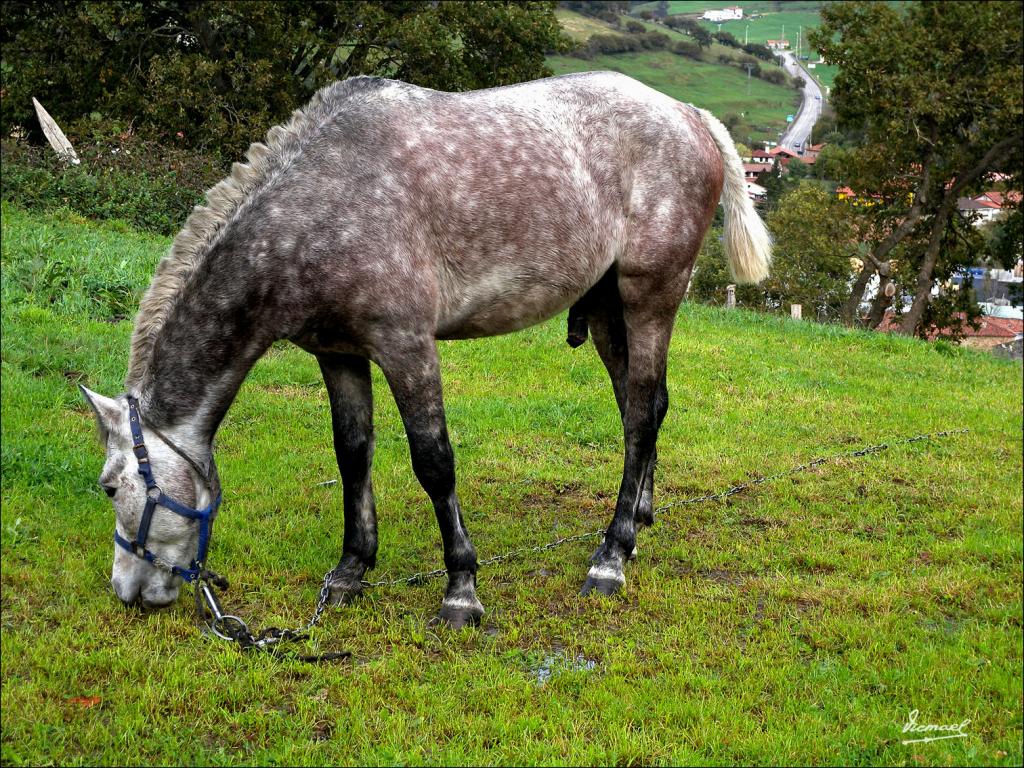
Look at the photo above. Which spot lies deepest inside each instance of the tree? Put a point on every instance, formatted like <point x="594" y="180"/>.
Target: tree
<point x="220" y="73"/>
<point x="690" y="27"/>
<point x="816" y="236"/>
<point x="936" y="90"/>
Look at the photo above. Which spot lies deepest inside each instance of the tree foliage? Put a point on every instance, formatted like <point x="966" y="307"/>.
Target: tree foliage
<point x="816" y="236"/>
<point x="935" y="90"/>
<point x="216" y="74"/>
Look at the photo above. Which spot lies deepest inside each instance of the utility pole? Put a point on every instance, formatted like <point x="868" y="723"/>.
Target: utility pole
<point x="749" y="66"/>
<point x="746" y="35"/>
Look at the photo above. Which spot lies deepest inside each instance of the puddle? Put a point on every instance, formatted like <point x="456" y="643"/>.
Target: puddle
<point x="556" y="663"/>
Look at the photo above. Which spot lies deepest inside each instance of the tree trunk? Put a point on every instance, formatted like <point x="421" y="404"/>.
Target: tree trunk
<point x="925" y="280"/>
<point x="882" y="301"/>
<point x="849" y="313"/>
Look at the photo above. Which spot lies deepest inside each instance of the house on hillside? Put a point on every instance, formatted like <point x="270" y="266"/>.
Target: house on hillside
<point x="754" y="171"/>
<point x="991" y="331"/>
<point x="988" y="205"/>
<point x="782" y="156"/>
<point x="732" y="13"/>
<point x="811" y="153"/>
<point x="777" y="45"/>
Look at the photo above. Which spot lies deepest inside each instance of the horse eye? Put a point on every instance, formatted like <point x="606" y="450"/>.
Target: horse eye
<point x="110" y="490"/>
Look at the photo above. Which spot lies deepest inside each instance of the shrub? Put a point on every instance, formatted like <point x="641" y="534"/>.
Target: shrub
<point x="148" y="186"/>
<point x="776" y="76"/>
<point x="686" y="48"/>
<point x="726" y="38"/>
<point x="762" y="52"/>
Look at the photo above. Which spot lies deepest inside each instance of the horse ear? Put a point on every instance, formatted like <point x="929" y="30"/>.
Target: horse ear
<point x="105" y="409"/>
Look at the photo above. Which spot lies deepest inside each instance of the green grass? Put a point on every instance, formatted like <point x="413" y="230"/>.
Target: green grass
<point x="720" y="89"/>
<point x="798" y="623"/>
<point x="579" y="26"/>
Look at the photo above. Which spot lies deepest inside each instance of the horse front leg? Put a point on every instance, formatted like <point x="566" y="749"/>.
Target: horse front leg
<point x="414" y="376"/>
<point x="351" y="395"/>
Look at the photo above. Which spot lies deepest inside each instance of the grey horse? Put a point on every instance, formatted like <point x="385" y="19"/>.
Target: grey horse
<point x="383" y="217"/>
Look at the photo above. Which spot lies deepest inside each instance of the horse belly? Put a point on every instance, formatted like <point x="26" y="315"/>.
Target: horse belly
<point x="515" y="294"/>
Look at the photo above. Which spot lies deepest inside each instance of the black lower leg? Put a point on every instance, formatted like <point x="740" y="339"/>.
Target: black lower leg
<point x="420" y="403"/>
<point x="645" y="508"/>
<point x="351" y="396"/>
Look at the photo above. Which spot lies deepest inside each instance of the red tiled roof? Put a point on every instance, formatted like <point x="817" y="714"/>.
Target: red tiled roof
<point x="989" y="327"/>
<point x="994" y="199"/>
<point x="756" y="167"/>
<point x="760" y="153"/>
<point x="780" y="150"/>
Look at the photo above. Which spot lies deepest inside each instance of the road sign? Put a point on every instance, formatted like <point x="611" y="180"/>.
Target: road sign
<point x="789" y="118"/>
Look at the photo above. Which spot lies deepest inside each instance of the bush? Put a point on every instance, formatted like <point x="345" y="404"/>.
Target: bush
<point x="635" y="27"/>
<point x="776" y="76"/>
<point x="148" y="186"/>
<point x="762" y="52"/>
<point x="726" y="38"/>
<point x="686" y="48"/>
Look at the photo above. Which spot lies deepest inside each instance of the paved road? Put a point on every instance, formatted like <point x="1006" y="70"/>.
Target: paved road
<point x="799" y="131"/>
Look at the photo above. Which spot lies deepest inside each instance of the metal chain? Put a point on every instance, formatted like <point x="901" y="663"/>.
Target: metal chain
<point x="232" y="628"/>
<point x="229" y="627"/>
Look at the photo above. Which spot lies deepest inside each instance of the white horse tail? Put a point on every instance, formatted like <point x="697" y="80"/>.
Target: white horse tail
<point x="748" y="245"/>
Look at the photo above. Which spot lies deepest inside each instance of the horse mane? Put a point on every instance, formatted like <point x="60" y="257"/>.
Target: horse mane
<point x="224" y="202"/>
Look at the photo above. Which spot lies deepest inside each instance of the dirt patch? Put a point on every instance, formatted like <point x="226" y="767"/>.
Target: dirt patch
<point x="761" y="523"/>
<point x="722" y="576"/>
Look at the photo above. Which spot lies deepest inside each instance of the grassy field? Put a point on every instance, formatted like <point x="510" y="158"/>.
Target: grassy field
<point x="723" y="89"/>
<point x="720" y="89"/>
<point x="798" y="623"/>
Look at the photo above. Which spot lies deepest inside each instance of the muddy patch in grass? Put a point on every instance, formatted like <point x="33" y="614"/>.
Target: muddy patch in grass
<point x="723" y="576"/>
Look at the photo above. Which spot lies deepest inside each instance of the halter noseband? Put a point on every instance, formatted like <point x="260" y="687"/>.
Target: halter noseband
<point x="160" y="499"/>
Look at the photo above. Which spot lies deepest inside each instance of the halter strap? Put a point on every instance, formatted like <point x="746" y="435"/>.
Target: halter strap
<point x="155" y="497"/>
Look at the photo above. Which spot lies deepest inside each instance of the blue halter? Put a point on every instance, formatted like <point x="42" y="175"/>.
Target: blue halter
<point x="160" y="499"/>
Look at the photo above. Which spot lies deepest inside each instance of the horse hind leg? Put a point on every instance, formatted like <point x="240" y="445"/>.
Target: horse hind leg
<point x="350" y="391"/>
<point x="601" y="314"/>
<point x="647" y="322"/>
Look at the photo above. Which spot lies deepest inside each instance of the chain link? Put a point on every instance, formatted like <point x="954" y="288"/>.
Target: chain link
<point x="232" y="628"/>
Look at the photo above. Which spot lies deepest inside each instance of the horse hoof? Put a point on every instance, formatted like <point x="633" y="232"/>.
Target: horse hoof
<point x="344" y="592"/>
<point x="604" y="580"/>
<point x="459" y="614"/>
<point x="645" y="517"/>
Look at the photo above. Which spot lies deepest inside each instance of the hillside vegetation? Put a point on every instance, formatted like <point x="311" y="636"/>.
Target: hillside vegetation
<point x="754" y="109"/>
<point x="798" y="622"/>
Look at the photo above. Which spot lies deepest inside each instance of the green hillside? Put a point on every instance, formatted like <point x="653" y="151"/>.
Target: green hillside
<point x="722" y="90"/>
<point x="758" y="107"/>
<point x="797" y="622"/>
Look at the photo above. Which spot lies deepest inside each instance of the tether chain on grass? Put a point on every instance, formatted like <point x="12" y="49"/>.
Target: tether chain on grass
<point x="418" y="578"/>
